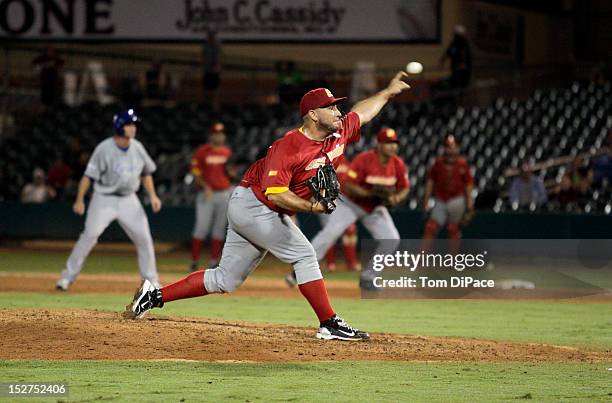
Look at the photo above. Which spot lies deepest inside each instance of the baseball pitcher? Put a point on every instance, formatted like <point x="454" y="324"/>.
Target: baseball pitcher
<point x="296" y="175"/>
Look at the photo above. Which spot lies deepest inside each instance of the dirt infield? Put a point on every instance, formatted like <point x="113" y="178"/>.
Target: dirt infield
<point x="126" y="284"/>
<point x="87" y="334"/>
<point x="269" y="287"/>
<point x="83" y="334"/>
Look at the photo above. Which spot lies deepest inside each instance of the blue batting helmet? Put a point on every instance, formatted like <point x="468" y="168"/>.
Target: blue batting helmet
<point x="124" y="118"/>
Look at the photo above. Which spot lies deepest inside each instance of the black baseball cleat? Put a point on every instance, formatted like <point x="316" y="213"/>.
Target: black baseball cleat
<point x="194" y="266"/>
<point x="368" y="286"/>
<point x="336" y="328"/>
<point x="146" y="298"/>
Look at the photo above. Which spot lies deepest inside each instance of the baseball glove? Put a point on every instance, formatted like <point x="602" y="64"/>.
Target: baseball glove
<point x="382" y="193"/>
<point x="467" y="217"/>
<point x="325" y="187"/>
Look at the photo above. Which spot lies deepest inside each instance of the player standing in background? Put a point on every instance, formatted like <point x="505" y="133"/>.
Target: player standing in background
<point x="116" y="168"/>
<point x="349" y="238"/>
<point x="377" y="179"/>
<point x="209" y="168"/>
<point x="274" y="188"/>
<point x="450" y="182"/>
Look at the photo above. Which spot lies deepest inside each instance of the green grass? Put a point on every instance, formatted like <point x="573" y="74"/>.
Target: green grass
<point x="363" y="381"/>
<point x="582" y="325"/>
<point x="563" y="323"/>
<point x="126" y="263"/>
<point x="54" y="262"/>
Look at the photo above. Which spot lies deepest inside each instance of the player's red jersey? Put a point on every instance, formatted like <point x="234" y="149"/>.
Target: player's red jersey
<point x="294" y="158"/>
<point x="450" y="180"/>
<point x="342" y="170"/>
<point x="209" y="162"/>
<point x="367" y="171"/>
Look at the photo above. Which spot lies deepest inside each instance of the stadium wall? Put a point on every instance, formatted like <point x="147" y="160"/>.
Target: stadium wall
<point x="174" y="224"/>
<point x="547" y="39"/>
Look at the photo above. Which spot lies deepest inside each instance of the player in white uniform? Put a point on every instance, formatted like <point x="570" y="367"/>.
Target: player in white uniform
<point x="116" y="168"/>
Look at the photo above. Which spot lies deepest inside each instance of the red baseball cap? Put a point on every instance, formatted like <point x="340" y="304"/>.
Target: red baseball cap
<point x="387" y="135"/>
<point x="216" y="127"/>
<point x="318" y="98"/>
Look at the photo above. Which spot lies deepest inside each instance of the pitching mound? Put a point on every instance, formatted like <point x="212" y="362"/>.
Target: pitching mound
<point x="83" y="334"/>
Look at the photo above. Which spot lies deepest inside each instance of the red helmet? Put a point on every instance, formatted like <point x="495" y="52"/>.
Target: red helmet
<point x="387" y="135"/>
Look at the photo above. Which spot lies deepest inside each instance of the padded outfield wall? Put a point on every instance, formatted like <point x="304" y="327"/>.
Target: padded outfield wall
<point x="174" y="224"/>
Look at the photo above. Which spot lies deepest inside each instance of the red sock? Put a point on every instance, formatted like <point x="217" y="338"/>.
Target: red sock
<point x="316" y="294"/>
<point x="454" y="238"/>
<point x="350" y="254"/>
<point x="196" y="247"/>
<point x="188" y="287"/>
<point x="430" y="233"/>
<point x="351" y="230"/>
<point x="330" y="256"/>
<point x="216" y="247"/>
<point x="349" y="247"/>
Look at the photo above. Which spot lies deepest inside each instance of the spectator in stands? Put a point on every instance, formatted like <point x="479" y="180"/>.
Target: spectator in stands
<point x="48" y="65"/>
<point x="460" y="57"/>
<point x="527" y="189"/>
<point x="37" y="191"/>
<point x="59" y="176"/>
<point x="603" y="163"/>
<point x="290" y="82"/>
<point x="565" y="194"/>
<point x="575" y="184"/>
<point x="580" y="175"/>
<point x="156" y="82"/>
<point x="211" y="53"/>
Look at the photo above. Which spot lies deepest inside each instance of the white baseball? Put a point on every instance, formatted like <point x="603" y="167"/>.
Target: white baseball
<point x="414" y="68"/>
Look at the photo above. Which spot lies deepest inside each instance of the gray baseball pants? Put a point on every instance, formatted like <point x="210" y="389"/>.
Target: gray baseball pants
<point x="448" y="212"/>
<point x="379" y="223"/>
<point x="254" y="230"/>
<point x="211" y="215"/>
<point x="102" y="210"/>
